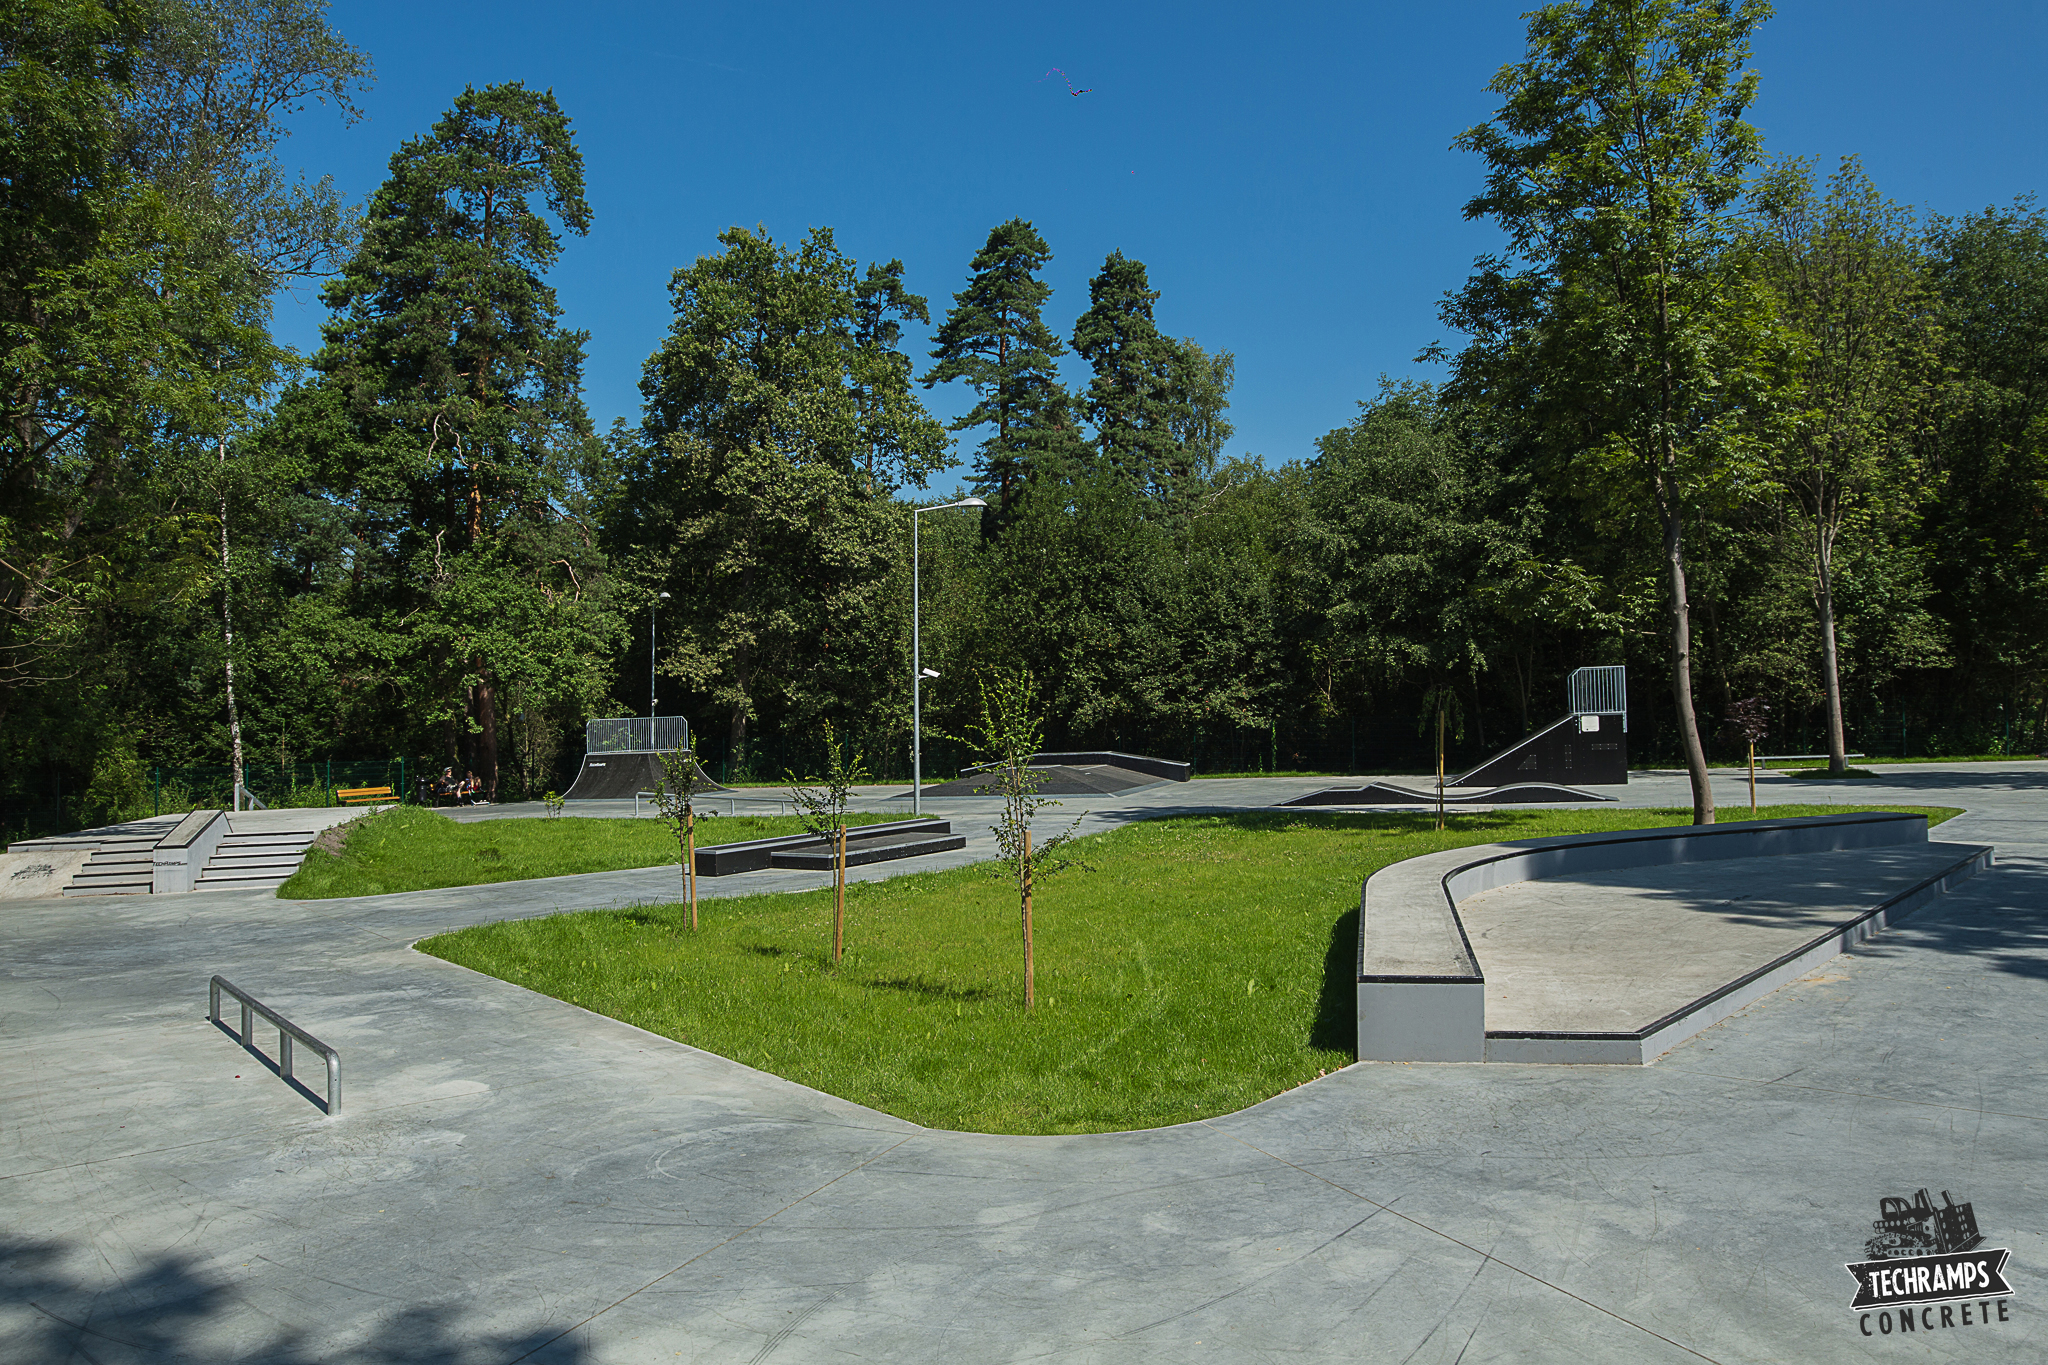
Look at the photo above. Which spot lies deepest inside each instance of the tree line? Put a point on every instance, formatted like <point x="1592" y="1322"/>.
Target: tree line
<point x="1736" y="421"/>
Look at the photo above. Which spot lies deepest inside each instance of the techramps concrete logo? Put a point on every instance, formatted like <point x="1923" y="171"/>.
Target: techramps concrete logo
<point x="1928" y="1270"/>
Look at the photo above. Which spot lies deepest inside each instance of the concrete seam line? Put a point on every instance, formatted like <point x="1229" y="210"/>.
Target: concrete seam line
<point x="723" y="1242"/>
<point x="1865" y="1094"/>
<point x="1484" y="1255"/>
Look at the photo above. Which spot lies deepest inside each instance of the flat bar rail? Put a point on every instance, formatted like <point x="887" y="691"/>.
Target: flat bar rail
<point x="287" y="1034"/>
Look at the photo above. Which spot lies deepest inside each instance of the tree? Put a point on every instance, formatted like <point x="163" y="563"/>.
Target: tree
<point x="1987" y="535"/>
<point x="1615" y="165"/>
<point x="778" y="422"/>
<point x="1399" y="549"/>
<point x="823" y="811"/>
<point x="996" y="341"/>
<point x="1847" y="275"/>
<point x="446" y="416"/>
<point x="213" y="80"/>
<point x="1132" y="398"/>
<point x="121" y="334"/>
<point x="1008" y="733"/>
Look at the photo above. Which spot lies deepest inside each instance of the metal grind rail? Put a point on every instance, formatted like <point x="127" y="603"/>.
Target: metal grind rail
<point x="287" y="1034"/>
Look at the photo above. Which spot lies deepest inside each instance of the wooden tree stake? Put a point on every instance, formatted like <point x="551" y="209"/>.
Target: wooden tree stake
<point x="839" y="896"/>
<point x="1030" y="995"/>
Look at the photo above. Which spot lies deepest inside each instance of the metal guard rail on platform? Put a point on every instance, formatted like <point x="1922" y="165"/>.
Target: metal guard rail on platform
<point x="287" y="1031"/>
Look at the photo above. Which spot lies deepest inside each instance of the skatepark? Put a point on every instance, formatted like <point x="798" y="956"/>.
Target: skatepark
<point x="512" y="1178"/>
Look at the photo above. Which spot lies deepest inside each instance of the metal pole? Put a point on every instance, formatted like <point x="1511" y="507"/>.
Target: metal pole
<point x="653" y="610"/>
<point x="916" y="678"/>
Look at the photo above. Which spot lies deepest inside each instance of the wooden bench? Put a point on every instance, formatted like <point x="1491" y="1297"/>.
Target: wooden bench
<point x="363" y="796"/>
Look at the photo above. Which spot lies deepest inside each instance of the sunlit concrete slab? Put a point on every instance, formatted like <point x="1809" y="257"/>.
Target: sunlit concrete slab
<point x="1620" y="951"/>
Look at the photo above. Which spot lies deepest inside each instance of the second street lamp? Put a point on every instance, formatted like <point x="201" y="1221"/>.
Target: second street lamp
<point x="918" y="672"/>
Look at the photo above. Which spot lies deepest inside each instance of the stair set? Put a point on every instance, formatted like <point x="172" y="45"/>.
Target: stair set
<point x="202" y="851"/>
<point x="254" y="862"/>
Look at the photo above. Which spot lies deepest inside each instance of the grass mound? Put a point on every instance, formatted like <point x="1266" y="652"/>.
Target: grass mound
<point x="1187" y="967"/>
<point x="408" y="848"/>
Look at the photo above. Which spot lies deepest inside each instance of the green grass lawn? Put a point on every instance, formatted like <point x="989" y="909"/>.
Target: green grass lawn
<point x="407" y="848"/>
<point x="1187" y="967"/>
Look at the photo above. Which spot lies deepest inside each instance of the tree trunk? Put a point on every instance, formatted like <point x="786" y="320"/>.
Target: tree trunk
<point x="1830" y="665"/>
<point x="487" y="741"/>
<point x="839" y="895"/>
<point x="227" y="632"/>
<point x="1681" y="670"/>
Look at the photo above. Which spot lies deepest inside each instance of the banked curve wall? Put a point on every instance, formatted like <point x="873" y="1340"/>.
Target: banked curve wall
<point x="1422" y="994"/>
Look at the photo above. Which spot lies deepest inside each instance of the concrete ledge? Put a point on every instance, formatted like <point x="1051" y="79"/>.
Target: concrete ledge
<point x="753" y="855"/>
<point x="179" y="856"/>
<point x="1418" y="977"/>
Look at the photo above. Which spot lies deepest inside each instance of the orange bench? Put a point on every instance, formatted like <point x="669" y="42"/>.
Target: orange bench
<point x="363" y="796"/>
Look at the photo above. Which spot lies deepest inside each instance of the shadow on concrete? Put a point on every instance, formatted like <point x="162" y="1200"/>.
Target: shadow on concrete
<point x="1999" y="917"/>
<point x="1991" y="779"/>
<point x="171" y="1309"/>
<point x="276" y="1068"/>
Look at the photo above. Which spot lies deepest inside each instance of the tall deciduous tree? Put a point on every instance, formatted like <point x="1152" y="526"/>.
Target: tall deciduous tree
<point x="119" y="328"/>
<point x="779" y="420"/>
<point x="1848" y="277"/>
<point x="996" y="341"/>
<point x="447" y="415"/>
<point x="1615" y="165"/>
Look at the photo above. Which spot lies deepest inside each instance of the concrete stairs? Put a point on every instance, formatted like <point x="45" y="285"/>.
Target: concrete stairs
<point x="255" y="860"/>
<point x="120" y="866"/>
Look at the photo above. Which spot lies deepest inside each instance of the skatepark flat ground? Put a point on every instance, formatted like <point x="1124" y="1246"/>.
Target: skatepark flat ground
<point x="515" y="1179"/>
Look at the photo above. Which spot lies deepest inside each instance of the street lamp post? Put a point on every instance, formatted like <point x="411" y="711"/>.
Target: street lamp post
<point x="917" y="669"/>
<point x="652" y="709"/>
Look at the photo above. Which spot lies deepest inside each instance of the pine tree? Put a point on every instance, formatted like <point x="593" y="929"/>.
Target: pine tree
<point x="995" y="339"/>
<point x="447" y="413"/>
<point x="1132" y="399"/>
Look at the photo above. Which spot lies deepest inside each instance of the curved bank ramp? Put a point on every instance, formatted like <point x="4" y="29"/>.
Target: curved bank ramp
<point x="1618" y="947"/>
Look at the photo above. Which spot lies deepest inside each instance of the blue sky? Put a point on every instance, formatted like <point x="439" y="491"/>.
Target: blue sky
<point x="1283" y="170"/>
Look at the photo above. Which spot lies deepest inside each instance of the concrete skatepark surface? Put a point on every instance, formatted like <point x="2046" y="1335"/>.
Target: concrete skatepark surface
<point x="1620" y="950"/>
<point x="513" y="1178"/>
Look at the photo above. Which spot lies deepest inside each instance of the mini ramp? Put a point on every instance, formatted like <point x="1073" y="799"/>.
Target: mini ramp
<point x="1099" y="772"/>
<point x="624" y="756"/>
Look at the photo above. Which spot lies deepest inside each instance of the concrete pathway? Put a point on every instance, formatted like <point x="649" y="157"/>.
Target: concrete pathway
<point x="515" y="1179"/>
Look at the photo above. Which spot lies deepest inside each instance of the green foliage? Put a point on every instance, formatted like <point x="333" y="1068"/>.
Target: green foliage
<point x="779" y="420"/>
<point x="1199" y="965"/>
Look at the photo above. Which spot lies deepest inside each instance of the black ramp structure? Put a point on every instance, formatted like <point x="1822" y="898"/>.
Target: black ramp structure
<point x="1099" y="772"/>
<point x="1589" y="747"/>
<point x="623" y="757"/>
